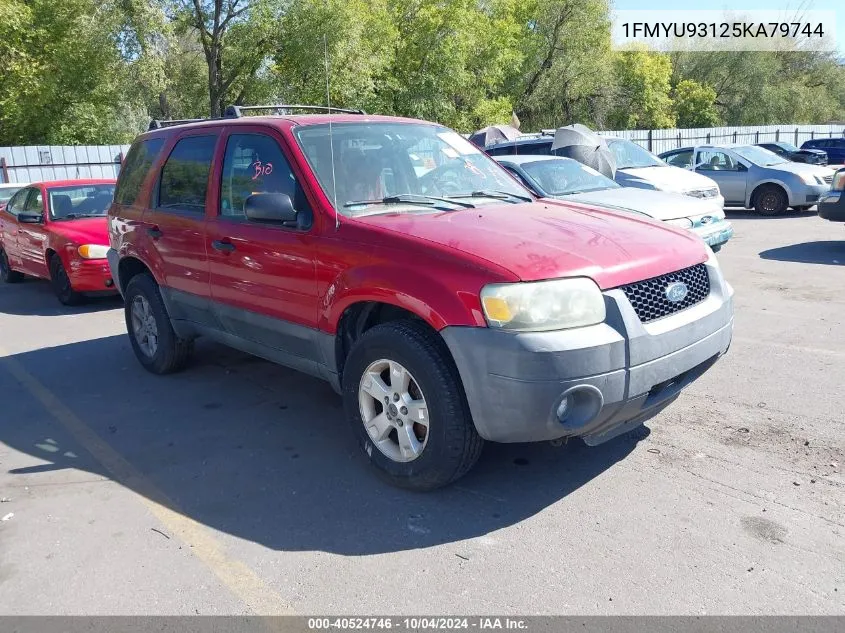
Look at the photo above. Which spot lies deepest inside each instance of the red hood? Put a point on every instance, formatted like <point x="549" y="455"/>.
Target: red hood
<point x="83" y="230"/>
<point x="542" y="240"/>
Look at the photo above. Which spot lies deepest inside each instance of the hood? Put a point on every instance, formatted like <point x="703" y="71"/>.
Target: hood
<point x="660" y="205"/>
<point x="803" y="168"/>
<point x="815" y="152"/>
<point x="551" y="239"/>
<point x="83" y="230"/>
<point x="666" y="178"/>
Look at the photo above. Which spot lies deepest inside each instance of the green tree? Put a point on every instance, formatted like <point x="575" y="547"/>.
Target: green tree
<point x="695" y="105"/>
<point x="641" y="98"/>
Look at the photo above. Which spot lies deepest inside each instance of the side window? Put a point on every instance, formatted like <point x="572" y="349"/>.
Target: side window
<point x="254" y="163"/>
<point x="501" y="150"/>
<point x="17" y="202"/>
<point x="138" y="162"/>
<point x="184" y="177"/>
<point x="714" y="160"/>
<point x="35" y="202"/>
<point x="680" y="159"/>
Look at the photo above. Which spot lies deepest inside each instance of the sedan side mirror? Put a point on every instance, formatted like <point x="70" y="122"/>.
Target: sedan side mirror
<point x="30" y="218"/>
<point x="275" y="208"/>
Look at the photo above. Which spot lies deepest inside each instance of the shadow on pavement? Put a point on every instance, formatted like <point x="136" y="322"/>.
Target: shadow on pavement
<point x="831" y="253"/>
<point x="35" y="297"/>
<point x="751" y="214"/>
<point x="263" y="453"/>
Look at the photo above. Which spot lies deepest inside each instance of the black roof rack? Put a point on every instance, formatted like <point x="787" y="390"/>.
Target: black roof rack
<point x="157" y="124"/>
<point x="236" y="112"/>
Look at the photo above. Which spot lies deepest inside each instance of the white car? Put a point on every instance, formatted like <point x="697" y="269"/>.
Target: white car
<point x="637" y="167"/>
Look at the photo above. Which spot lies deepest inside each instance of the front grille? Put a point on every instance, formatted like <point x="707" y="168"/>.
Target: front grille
<point x="649" y="297"/>
<point x="828" y="179"/>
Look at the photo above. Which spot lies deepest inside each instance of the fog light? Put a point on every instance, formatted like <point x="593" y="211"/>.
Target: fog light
<point x="109" y="283"/>
<point x="563" y="408"/>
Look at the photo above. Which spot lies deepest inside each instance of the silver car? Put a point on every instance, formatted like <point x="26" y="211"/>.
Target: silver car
<point x="753" y="177"/>
<point x="567" y="179"/>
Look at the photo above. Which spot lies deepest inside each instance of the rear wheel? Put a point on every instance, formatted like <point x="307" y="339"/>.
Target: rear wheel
<point x="8" y="275"/>
<point x="770" y="200"/>
<point x="406" y="406"/>
<point x="153" y="339"/>
<point x="61" y="283"/>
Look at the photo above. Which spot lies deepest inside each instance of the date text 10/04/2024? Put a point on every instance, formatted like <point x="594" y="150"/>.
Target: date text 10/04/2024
<point x="417" y="623"/>
<point x="722" y="29"/>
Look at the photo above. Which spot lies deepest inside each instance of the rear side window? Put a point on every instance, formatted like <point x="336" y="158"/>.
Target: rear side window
<point x="184" y="177"/>
<point x="138" y="162"/>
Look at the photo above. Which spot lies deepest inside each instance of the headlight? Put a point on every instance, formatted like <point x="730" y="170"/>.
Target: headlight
<point x="93" y="251"/>
<point x="810" y="179"/>
<point x="543" y="305"/>
<point x="683" y="223"/>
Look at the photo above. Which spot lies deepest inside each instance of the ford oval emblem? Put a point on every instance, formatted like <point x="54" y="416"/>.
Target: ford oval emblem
<point x="676" y="291"/>
<point x="707" y="219"/>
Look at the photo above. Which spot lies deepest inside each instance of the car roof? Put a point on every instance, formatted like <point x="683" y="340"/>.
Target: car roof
<point x="282" y="121"/>
<point x="49" y="184"/>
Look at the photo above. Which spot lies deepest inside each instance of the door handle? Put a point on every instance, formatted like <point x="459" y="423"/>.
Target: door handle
<point x="154" y="232"/>
<point x="224" y="246"/>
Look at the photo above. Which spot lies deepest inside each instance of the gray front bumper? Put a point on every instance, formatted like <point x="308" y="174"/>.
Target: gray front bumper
<point x="620" y="372"/>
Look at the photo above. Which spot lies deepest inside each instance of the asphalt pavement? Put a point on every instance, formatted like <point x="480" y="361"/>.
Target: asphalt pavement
<point x="234" y="487"/>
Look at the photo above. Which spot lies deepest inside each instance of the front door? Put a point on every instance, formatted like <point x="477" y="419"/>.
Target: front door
<point x="729" y="173"/>
<point x="263" y="280"/>
<point x="174" y="228"/>
<point x="32" y="238"/>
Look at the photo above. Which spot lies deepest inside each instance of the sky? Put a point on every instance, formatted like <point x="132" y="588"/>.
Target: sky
<point x="748" y="5"/>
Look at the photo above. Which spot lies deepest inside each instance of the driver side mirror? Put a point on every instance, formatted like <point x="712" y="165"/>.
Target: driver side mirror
<point x="273" y="208"/>
<point x="30" y="218"/>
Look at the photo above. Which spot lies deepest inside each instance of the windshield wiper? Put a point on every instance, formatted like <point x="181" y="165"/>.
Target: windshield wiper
<point x="493" y="193"/>
<point x="413" y="198"/>
<point x="74" y="216"/>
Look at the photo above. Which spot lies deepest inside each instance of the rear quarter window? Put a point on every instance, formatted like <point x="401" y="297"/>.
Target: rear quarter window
<point x="138" y="162"/>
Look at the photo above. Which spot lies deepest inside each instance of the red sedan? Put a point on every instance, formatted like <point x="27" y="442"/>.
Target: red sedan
<point x="57" y="231"/>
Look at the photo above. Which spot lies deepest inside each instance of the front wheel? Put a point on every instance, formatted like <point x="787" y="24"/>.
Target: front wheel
<point x="770" y="200"/>
<point x="405" y="402"/>
<point x="62" y="285"/>
<point x="153" y="339"/>
<point x="8" y="275"/>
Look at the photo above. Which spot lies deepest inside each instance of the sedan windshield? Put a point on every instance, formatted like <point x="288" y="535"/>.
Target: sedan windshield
<point x="80" y="201"/>
<point x="403" y="167"/>
<point x="629" y="155"/>
<point x="564" y="176"/>
<point x="789" y="147"/>
<point x="6" y="193"/>
<point x="759" y="155"/>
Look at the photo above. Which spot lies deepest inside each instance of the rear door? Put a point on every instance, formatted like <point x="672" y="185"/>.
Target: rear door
<point x="32" y="238"/>
<point x="9" y="226"/>
<point x="173" y="231"/>
<point x="263" y="279"/>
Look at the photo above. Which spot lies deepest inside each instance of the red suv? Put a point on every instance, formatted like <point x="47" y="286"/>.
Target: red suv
<point x="395" y="260"/>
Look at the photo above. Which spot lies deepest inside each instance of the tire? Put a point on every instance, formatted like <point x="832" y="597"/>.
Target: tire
<point x="61" y="283"/>
<point x="450" y="446"/>
<point x="8" y="275"/>
<point x="170" y="352"/>
<point x="770" y="200"/>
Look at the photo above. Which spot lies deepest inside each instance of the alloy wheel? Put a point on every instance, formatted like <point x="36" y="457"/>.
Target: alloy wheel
<point x="144" y="326"/>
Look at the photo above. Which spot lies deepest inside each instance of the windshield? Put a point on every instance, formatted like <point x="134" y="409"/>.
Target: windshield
<point x="565" y="176"/>
<point x="403" y="167"/>
<point x="789" y="147"/>
<point x="759" y="155"/>
<point x="6" y="193"/>
<point x="629" y="155"/>
<point x="80" y="201"/>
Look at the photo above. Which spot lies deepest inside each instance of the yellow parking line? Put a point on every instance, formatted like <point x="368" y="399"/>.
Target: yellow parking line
<point x="238" y="577"/>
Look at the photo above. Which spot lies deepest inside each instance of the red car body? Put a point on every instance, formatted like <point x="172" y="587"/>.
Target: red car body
<point x="30" y="246"/>
<point x="304" y="295"/>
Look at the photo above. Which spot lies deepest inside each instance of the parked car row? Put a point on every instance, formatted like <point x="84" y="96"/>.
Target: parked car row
<point x="443" y="299"/>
